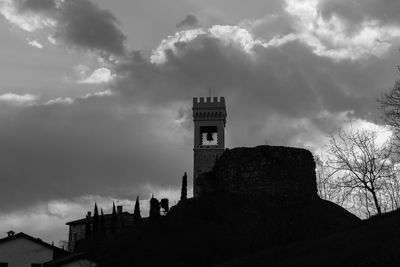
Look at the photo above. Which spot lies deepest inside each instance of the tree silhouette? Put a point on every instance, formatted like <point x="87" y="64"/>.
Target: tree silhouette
<point x="363" y="169"/>
<point x="102" y="222"/>
<point x="390" y="106"/>
<point x="327" y="188"/>
<point x="154" y="208"/>
<point x="184" y="188"/>
<point x="165" y="205"/>
<point x="114" y="220"/>
<point x="136" y="213"/>
<point x="95" y="220"/>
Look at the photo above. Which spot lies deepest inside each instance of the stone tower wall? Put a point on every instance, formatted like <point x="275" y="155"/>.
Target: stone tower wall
<point x="207" y="112"/>
<point x="204" y="160"/>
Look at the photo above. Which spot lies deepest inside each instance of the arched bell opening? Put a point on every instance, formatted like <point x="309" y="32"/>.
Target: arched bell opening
<point x="209" y="135"/>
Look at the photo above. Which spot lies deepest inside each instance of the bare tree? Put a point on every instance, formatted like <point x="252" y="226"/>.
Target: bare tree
<point x="329" y="187"/>
<point x="362" y="171"/>
<point x="326" y="186"/>
<point x="390" y="105"/>
<point x="391" y="192"/>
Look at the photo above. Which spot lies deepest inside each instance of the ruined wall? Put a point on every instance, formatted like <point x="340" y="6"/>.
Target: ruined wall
<point x="266" y="171"/>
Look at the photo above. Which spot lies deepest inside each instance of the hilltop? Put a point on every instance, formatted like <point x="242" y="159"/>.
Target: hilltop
<point x="208" y="231"/>
<point x="253" y="199"/>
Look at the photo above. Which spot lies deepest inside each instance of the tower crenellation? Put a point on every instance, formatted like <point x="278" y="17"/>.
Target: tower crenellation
<point x="203" y="102"/>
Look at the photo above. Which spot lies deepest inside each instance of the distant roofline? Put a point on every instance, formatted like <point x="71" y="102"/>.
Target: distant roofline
<point x="31" y="238"/>
<point x="83" y="220"/>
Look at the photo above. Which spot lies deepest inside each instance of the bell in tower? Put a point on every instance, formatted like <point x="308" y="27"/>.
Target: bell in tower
<point x="209" y="137"/>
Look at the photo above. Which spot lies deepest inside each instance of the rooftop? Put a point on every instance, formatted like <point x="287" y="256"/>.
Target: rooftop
<point x="39" y="241"/>
<point x="106" y="217"/>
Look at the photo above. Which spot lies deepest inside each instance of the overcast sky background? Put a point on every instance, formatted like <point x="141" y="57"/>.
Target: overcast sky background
<point x="95" y="95"/>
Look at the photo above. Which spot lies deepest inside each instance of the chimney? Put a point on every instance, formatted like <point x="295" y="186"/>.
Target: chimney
<point x="119" y="209"/>
<point x="89" y="214"/>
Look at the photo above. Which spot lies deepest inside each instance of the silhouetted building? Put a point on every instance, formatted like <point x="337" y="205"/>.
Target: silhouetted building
<point x="22" y="250"/>
<point x="78" y="228"/>
<point x="209" y="116"/>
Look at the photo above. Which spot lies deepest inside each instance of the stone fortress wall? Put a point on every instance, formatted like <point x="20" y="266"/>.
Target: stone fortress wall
<point x="264" y="171"/>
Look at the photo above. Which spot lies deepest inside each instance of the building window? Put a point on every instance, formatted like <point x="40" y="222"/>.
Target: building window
<point x="75" y="236"/>
<point x="3" y="264"/>
<point x="36" y="265"/>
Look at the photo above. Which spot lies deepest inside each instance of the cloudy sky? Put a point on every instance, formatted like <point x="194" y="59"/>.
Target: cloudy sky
<point x="95" y="95"/>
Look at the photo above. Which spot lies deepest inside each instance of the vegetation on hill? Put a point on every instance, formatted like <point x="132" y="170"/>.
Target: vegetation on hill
<point x="213" y="229"/>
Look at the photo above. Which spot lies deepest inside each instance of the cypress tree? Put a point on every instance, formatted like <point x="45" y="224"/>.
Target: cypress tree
<point x="184" y="188"/>
<point x="102" y="223"/>
<point x="154" y="208"/>
<point x="114" y="220"/>
<point x="136" y="213"/>
<point x="95" y="219"/>
<point x="165" y="205"/>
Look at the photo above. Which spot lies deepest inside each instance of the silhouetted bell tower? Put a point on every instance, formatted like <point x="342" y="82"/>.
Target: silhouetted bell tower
<point x="209" y="116"/>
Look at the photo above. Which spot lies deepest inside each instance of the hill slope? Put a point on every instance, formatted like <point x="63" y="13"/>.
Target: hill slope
<point x="208" y="231"/>
<point x="374" y="242"/>
<point x="253" y="199"/>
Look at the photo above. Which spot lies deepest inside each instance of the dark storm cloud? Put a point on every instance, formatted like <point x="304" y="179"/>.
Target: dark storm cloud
<point x="289" y="79"/>
<point x="83" y="24"/>
<point x="288" y="82"/>
<point x="80" y="24"/>
<point x="94" y="146"/>
<point x="190" y="21"/>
